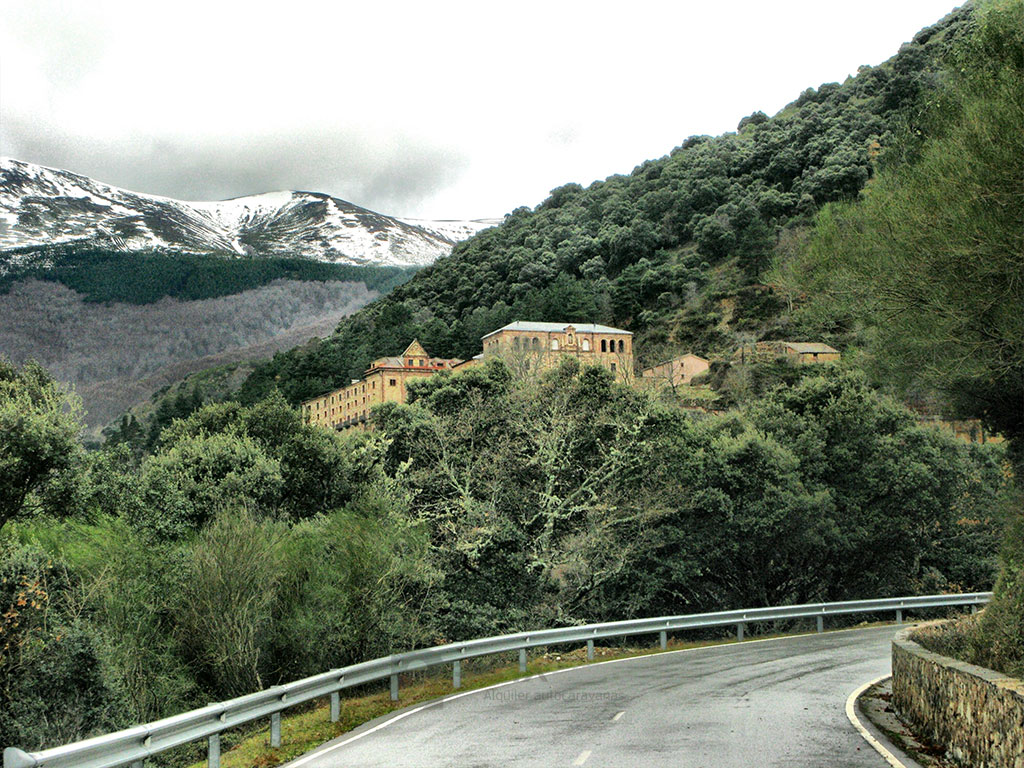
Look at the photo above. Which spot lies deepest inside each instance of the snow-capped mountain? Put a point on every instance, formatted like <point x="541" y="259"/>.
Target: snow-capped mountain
<point x="42" y="206"/>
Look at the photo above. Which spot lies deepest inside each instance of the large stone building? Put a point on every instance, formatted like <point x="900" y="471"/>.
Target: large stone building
<point x="384" y="381"/>
<point x="530" y="347"/>
<point x="538" y="346"/>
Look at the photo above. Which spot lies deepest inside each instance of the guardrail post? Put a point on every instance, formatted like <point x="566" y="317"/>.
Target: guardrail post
<point x="663" y="639"/>
<point x="335" y="706"/>
<point x="522" y="659"/>
<point x="16" y="758"/>
<point x="213" y="751"/>
<point x="456" y="674"/>
<point x="590" y="650"/>
<point x="821" y="624"/>
<point x="394" y="687"/>
<point x="741" y="628"/>
<point x="899" y="615"/>
<point x="974" y="609"/>
<point x="275" y="729"/>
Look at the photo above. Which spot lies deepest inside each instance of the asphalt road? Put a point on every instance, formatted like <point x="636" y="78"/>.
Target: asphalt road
<point x="760" y="703"/>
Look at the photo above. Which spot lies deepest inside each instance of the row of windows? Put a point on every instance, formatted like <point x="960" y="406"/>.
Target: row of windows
<point x="423" y="363"/>
<point x="350" y="395"/>
<point x="533" y="343"/>
<point x="607" y="345"/>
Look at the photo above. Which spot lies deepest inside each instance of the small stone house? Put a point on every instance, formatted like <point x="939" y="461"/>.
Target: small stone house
<point x="800" y="352"/>
<point x="679" y="371"/>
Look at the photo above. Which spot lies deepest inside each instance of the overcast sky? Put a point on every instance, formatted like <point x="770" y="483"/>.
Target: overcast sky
<point x="429" y="108"/>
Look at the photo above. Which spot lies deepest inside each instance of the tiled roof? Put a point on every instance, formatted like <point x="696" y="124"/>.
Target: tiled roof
<point x="531" y="327"/>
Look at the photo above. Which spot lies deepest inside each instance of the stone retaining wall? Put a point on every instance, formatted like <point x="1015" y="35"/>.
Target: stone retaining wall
<point x="976" y="713"/>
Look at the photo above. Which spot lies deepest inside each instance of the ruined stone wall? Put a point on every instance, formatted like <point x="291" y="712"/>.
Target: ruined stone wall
<point x="976" y="713"/>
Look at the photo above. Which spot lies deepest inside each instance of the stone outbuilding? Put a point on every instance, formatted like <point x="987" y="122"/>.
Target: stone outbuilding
<point x="801" y="352"/>
<point x="679" y="371"/>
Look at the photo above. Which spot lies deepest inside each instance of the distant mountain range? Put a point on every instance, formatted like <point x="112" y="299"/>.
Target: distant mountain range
<point x="120" y="293"/>
<point x="44" y="207"/>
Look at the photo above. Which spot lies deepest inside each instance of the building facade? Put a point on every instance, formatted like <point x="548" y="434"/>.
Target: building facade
<point x="384" y="381"/>
<point x="534" y="347"/>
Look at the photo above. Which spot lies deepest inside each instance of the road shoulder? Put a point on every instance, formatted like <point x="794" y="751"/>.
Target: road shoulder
<point x="871" y="712"/>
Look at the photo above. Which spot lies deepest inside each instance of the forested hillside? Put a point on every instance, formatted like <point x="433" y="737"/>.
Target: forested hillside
<point x="104" y="275"/>
<point x="928" y="263"/>
<point x="675" y="251"/>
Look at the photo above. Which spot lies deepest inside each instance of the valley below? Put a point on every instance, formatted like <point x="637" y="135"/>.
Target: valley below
<point x="117" y="355"/>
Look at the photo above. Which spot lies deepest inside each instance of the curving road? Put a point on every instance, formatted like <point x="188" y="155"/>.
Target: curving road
<point x="760" y="703"/>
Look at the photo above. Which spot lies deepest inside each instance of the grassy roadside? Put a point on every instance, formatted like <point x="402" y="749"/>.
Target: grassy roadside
<point x="306" y="729"/>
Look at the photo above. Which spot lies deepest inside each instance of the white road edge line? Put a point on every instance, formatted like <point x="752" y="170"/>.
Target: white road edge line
<point x="582" y="758"/>
<point x="437" y="702"/>
<point x="851" y="713"/>
<point x="618" y="715"/>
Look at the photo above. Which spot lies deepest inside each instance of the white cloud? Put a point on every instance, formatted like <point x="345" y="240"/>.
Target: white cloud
<point x="437" y="109"/>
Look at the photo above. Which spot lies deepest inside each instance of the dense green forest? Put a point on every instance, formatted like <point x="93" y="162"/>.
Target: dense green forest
<point x="249" y="548"/>
<point x="928" y="263"/>
<point x="232" y="546"/>
<point x="675" y="251"/>
<point x="145" y="277"/>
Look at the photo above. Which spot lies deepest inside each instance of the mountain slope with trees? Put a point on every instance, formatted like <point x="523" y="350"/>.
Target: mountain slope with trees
<point x="250" y="548"/>
<point x="674" y="251"/>
<point x="929" y="263"/>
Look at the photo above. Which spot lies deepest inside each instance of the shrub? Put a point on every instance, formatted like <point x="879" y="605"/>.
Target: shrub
<point x="223" y="605"/>
<point x="52" y="686"/>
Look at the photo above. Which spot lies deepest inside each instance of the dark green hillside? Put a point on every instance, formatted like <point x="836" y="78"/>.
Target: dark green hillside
<point x="144" y="277"/>
<point x="675" y="251"/>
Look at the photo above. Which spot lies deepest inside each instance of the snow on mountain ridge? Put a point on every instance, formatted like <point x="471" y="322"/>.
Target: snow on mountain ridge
<point x="44" y="206"/>
<point x="454" y="230"/>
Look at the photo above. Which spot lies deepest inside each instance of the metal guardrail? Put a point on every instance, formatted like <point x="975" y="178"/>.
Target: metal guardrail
<point x="132" y="746"/>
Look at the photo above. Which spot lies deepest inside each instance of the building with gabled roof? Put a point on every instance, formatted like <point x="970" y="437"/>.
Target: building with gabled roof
<point x="679" y="371"/>
<point x="529" y="326"/>
<point x="383" y="382"/>
<point x="532" y="347"/>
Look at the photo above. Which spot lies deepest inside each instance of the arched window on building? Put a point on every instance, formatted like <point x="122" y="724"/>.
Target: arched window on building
<point x="554" y="345"/>
<point x="622" y="346"/>
<point x="536" y="343"/>
<point x="604" y="345"/>
<point x="586" y="345"/>
<point x="515" y="342"/>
